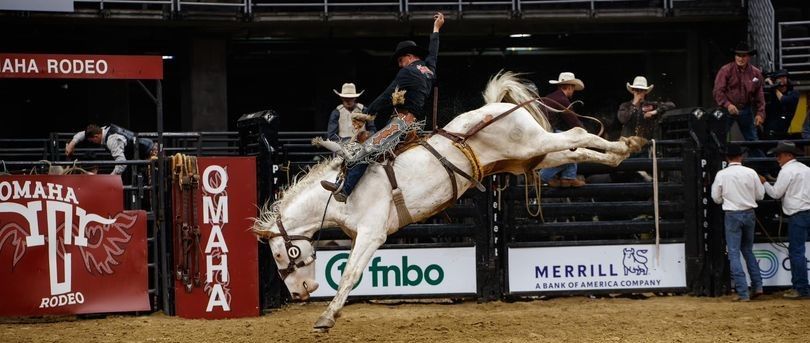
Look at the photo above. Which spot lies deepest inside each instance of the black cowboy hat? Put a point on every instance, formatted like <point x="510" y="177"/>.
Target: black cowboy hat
<point x="743" y="48"/>
<point x="785" y="146"/>
<point x="409" y="47"/>
<point x="780" y="73"/>
<point x="733" y="150"/>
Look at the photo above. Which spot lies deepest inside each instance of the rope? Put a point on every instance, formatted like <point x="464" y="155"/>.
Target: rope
<point x="656" y="208"/>
<point x="774" y="242"/>
<point x="536" y="181"/>
<point x="601" y="126"/>
<point x="73" y="168"/>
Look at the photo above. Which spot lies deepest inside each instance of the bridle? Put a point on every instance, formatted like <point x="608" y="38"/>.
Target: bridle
<point x="293" y="251"/>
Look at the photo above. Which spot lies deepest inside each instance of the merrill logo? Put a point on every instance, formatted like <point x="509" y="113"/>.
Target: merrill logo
<point x="635" y="261"/>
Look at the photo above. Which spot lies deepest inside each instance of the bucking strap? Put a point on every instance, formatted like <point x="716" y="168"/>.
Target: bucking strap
<point x="452" y="170"/>
<point x="399" y="201"/>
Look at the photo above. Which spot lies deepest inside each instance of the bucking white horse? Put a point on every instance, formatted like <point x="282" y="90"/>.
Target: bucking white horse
<point x="500" y="137"/>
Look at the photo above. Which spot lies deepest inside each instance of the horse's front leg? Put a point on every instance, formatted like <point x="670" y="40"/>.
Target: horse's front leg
<point x="366" y="243"/>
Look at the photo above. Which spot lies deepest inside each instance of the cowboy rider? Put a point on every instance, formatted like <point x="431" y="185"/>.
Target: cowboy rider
<point x="347" y="120"/>
<point x="416" y="77"/>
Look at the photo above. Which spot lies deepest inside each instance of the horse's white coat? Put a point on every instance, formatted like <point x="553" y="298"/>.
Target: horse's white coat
<point x="513" y="144"/>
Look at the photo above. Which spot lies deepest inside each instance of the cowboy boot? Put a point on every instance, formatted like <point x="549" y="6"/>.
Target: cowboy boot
<point x="336" y="188"/>
<point x="330" y="186"/>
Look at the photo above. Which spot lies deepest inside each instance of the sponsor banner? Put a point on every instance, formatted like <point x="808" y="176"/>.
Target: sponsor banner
<point x="37" y="5"/>
<point x="402" y="272"/>
<point x="228" y="255"/>
<point x="604" y="267"/>
<point x="67" y="246"/>
<point x="774" y="264"/>
<point x="51" y="66"/>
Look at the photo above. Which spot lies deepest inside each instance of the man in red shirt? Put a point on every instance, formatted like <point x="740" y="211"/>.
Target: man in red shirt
<point x="738" y="89"/>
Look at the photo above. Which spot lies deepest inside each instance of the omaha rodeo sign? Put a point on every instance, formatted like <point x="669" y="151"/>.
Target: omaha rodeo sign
<point x="67" y="246"/>
<point x="51" y="66"/>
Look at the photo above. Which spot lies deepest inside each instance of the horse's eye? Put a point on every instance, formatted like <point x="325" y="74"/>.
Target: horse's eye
<point x="278" y="256"/>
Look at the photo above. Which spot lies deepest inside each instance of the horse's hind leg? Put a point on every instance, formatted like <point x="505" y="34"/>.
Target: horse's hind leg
<point x="559" y="158"/>
<point x="579" y="138"/>
<point x="364" y="247"/>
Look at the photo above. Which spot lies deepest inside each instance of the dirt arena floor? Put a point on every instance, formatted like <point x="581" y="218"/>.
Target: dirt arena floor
<point x="572" y="319"/>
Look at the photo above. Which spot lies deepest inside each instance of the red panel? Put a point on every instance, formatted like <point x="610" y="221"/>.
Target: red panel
<point x="229" y="184"/>
<point x="100" y="269"/>
<point x="48" y="66"/>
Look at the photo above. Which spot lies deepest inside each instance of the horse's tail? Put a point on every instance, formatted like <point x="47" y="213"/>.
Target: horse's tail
<point x="507" y="86"/>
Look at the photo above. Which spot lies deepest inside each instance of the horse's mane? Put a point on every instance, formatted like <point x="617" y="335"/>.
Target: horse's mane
<point x="312" y="175"/>
<point x="509" y="87"/>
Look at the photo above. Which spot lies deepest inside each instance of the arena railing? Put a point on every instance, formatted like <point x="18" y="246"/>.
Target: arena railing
<point x="400" y="7"/>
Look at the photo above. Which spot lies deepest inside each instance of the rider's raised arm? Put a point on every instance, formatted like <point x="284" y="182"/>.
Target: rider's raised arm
<point x="433" y="49"/>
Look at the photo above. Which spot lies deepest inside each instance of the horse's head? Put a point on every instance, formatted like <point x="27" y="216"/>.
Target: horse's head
<point x="292" y="250"/>
<point x="289" y="224"/>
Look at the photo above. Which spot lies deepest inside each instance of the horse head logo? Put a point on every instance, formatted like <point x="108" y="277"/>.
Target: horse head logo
<point x="635" y="261"/>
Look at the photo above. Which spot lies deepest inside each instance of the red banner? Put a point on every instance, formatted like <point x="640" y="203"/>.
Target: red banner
<point x="227" y="257"/>
<point x="49" y="66"/>
<point x="97" y="265"/>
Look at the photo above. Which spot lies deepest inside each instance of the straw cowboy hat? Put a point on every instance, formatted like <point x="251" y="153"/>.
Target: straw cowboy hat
<point x="409" y="47"/>
<point x="567" y="78"/>
<point x="785" y="146"/>
<point x="743" y="48"/>
<point x="640" y="82"/>
<point x="348" y="91"/>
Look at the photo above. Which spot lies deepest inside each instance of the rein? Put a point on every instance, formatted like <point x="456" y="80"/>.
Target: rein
<point x="568" y="110"/>
<point x="488" y="120"/>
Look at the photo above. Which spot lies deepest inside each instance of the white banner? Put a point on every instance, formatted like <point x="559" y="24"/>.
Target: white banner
<point x="774" y="264"/>
<point x="560" y="269"/>
<point x="37" y="5"/>
<point x="402" y="272"/>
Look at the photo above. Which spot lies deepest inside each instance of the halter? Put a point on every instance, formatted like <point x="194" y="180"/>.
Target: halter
<point x="293" y="251"/>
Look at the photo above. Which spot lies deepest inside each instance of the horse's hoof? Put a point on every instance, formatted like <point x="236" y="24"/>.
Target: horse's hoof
<point x="320" y="330"/>
<point x="324" y="323"/>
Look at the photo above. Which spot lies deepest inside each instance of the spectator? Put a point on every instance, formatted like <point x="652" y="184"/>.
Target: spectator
<point x="738" y="188"/>
<point x="780" y="105"/>
<point x="119" y="141"/>
<point x="340" y="126"/>
<point x="567" y="84"/>
<point x="793" y="187"/>
<point x="738" y="89"/>
<point x="639" y="116"/>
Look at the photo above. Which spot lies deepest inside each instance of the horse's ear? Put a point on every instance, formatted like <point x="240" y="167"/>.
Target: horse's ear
<point x="266" y="234"/>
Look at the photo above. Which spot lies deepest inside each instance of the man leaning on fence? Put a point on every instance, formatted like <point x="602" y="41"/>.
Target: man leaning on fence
<point x="119" y="141"/>
<point x="738" y="188"/>
<point x="738" y="89"/>
<point x="793" y="187"/>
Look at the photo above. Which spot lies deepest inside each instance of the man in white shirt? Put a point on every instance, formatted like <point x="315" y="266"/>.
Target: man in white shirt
<point x="738" y="188"/>
<point x="793" y="187"/>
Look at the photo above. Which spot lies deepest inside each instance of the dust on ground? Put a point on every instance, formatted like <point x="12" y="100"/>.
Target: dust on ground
<point x="572" y="319"/>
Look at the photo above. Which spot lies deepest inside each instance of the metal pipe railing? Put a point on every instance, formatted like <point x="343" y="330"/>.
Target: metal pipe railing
<point x="402" y="6"/>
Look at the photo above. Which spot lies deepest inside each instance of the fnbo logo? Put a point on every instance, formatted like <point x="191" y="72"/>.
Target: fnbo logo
<point x="340" y="260"/>
<point x="403" y="275"/>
